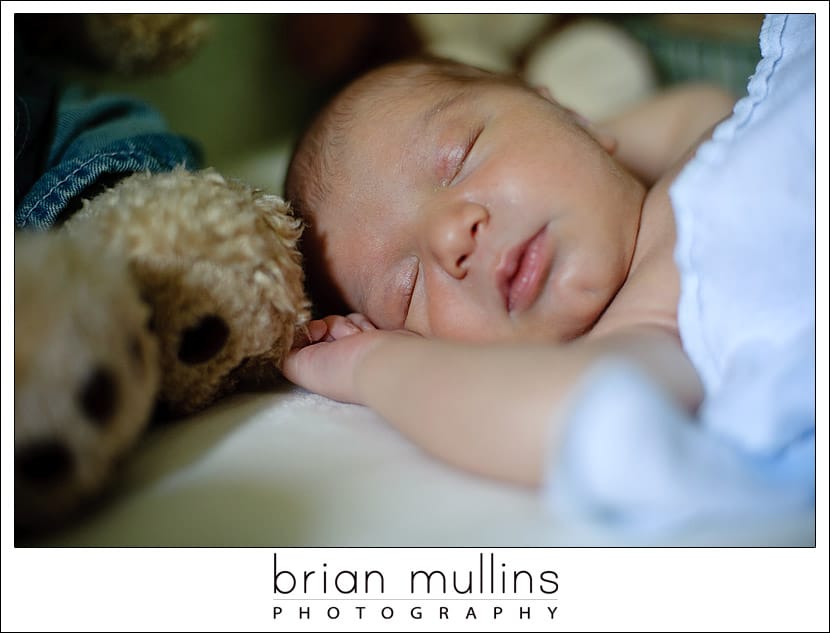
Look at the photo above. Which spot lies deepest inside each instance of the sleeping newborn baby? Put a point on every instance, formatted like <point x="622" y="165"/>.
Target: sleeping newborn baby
<point x="494" y="250"/>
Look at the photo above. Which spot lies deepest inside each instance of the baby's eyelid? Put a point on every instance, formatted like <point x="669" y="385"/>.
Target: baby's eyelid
<point x="470" y="144"/>
<point x="410" y="291"/>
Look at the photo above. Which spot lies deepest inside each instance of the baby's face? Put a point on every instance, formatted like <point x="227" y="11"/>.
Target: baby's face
<point x="479" y="213"/>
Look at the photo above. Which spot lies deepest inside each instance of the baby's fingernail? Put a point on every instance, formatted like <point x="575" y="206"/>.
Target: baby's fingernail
<point x="361" y="321"/>
<point x="343" y="327"/>
<point x="351" y="327"/>
<point x="317" y="330"/>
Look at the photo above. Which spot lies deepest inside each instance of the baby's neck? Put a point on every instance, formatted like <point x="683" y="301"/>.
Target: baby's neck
<point x="649" y="295"/>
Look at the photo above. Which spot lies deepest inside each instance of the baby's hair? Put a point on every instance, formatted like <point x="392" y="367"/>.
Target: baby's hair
<point x="320" y="151"/>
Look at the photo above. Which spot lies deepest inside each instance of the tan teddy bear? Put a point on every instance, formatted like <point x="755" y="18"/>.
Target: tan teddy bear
<point x="216" y="261"/>
<point x="171" y="288"/>
<point x="86" y="372"/>
<point x="217" y="265"/>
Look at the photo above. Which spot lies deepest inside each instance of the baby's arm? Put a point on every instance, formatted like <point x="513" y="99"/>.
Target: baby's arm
<point x="655" y="134"/>
<point x="485" y="408"/>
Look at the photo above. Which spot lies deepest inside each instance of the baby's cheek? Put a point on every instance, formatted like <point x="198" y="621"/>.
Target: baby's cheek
<point x="460" y="319"/>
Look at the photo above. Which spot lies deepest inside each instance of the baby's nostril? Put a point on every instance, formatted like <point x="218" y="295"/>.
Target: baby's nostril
<point x="44" y="463"/>
<point x="99" y="396"/>
<point x="460" y="261"/>
<point x="204" y="340"/>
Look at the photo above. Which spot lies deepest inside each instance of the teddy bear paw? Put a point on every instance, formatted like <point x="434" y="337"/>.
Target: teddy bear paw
<point x="85" y="373"/>
<point x="218" y="264"/>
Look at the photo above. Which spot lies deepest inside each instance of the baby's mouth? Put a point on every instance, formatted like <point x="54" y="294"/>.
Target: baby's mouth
<point x="522" y="272"/>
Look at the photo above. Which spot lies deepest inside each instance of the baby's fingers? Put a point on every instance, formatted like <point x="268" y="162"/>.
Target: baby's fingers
<point x="309" y="333"/>
<point x="333" y="327"/>
<point x="313" y="332"/>
<point x="361" y="321"/>
<point x="317" y="329"/>
<point x="339" y="327"/>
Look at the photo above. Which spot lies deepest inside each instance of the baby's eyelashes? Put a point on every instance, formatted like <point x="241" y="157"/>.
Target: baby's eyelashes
<point x="409" y="289"/>
<point x="453" y="160"/>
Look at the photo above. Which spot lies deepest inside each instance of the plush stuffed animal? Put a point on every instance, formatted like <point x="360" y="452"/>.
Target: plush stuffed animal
<point x="590" y="65"/>
<point x="86" y="372"/>
<point x="216" y="265"/>
<point x="169" y="288"/>
<point x="217" y="262"/>
<point x="127" y="43"/>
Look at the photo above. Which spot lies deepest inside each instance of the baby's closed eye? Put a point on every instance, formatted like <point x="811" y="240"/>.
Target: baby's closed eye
<point x="453" y="160"/>
<point x="409" y="289"/>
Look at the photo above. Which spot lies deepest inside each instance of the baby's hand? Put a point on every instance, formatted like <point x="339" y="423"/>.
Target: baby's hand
<point x="328" y="364"/>
<point x="336" y="327"/>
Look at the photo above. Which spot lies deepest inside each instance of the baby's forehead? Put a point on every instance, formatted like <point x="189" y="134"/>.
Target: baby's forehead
<point x="400" y="86"/>
<point x="395" y="107"/>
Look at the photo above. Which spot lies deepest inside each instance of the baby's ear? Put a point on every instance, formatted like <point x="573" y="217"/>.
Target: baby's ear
<point x="607" y="141"/>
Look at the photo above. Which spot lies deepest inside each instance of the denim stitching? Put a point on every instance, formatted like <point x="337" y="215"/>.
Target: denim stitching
<point x="42" y="199"/>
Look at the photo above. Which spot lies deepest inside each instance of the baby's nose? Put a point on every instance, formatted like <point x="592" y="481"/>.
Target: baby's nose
<point x="454" y="237"/>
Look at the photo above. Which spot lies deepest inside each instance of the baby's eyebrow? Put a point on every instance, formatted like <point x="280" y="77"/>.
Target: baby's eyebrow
<point x="441" y="106"/>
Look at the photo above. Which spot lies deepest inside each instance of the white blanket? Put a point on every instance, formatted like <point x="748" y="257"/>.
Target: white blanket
<point x="295" y="469"/>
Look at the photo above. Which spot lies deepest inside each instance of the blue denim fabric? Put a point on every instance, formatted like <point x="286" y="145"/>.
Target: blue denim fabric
<point x="95" y="138"/>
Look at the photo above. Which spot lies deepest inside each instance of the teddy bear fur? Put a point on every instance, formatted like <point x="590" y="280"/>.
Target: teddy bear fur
<point x="171" y="288"/>
<point x="168" y="289"/>
<point x="86" y="372"/>
<point x="217" y="262"/>
<point x="123" y="43"/>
